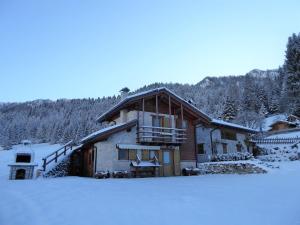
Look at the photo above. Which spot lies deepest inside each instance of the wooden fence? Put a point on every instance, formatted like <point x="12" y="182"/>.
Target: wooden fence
<point x="56" y="154"/>
<point x="277" y="140"/>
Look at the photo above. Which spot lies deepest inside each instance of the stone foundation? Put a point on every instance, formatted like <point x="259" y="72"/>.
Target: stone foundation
<point x="229" y="168"/>
<point x="21" y="172"/>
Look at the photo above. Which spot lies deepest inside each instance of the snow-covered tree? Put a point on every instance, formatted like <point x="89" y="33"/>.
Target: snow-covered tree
<point x="292" y="71"/>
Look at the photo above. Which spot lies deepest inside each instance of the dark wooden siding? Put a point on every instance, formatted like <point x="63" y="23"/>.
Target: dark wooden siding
<point x="188" y="149"/>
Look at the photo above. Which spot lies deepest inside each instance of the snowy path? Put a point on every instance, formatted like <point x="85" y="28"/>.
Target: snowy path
<point x="265" y="199"/>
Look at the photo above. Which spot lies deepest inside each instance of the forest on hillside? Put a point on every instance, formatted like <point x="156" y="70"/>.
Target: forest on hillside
<point x="243" y="99"/>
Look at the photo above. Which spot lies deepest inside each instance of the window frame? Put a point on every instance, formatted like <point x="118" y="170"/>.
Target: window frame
<point x="228" y="135"/>
<point x="127" y="155"/>
<point x="203" y="149"/>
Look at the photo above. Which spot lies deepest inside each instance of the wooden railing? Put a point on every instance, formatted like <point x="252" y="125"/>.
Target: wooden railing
<point x="163" y="135"/>
<point x="277" y="140"/>
<point x="56" y="154"/>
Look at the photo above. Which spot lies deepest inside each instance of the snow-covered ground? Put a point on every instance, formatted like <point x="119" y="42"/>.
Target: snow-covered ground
<point x="260" y="199"/>
<point x="39" y="150"/>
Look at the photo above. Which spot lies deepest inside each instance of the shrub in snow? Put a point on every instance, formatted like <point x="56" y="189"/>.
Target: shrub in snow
<point x="279" y="153"/>
<point x="190" y="171"/>
<point x="120" y="174"/>
<point x="102" y="174"/>
<point x="60" y="170"/>
<point x="231" y="157"/>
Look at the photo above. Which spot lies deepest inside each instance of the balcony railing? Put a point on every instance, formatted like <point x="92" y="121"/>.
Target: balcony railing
<point x="161" y="135"/>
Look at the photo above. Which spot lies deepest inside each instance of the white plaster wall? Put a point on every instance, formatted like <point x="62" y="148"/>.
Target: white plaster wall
<point x="203" y="136"/>
<point x="107" y="152"/>
<point x="126" y="116"/>
<point x="184" y="164"/>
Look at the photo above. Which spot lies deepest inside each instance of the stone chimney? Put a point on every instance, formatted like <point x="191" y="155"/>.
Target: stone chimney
<point x="124" y="92"/>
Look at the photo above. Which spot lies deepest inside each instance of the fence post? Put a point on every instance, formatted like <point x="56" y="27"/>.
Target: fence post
<point x="56" y="156"/>
<point x="65" y="150"/>
<point x="44" y="164"/>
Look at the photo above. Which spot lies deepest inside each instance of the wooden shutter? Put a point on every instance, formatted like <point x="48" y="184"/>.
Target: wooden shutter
<point x="145" y="155"/>
<point x="132" y="155"/>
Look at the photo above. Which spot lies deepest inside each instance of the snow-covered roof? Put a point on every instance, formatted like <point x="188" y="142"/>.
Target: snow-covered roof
<point x="107" y="130"/>
<point x="233" y="125"/>
<point x="267" y="122"/>
<point x="152" y="91"/>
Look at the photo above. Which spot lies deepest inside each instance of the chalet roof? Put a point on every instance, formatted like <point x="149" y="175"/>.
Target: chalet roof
<point x="105" y="132"/>
<point x="132" y="98"/>
<point x="232" y="125"/>
<point x="283" y="122"/>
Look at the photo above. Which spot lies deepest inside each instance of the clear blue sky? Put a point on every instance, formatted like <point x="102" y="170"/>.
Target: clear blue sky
<point x="74" y="49"/>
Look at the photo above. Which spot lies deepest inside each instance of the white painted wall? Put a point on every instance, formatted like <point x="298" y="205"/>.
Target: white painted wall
<point x="107" y="152"/>
<point x="203" y="136"/>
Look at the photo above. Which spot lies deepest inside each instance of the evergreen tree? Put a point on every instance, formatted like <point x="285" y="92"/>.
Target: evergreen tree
<point x="230" y="110"/>
<point x="292" y="70"/>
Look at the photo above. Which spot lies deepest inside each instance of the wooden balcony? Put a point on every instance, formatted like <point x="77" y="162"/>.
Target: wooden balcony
<point x="161" y="135"/>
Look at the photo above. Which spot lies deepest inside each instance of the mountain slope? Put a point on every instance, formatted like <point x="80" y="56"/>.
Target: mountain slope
<point x="62" y="120"/>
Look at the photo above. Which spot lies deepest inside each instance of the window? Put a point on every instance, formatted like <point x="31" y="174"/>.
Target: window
<point x="166" y="157"/>
<point x="123" y="154"/>
<point x="153" y="153"/>
<point x="145" y="155"/>
<point x="185" y="124"/>
<point x="239" y="147"/>
<point x="224" y="145"/>
<point x="132" y="154"/>
<point x="200" y="148"/>
<point x="229" y="135"/>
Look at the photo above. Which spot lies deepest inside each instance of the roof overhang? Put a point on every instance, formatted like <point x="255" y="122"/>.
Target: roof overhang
<point x="106" y="132"/>
<point x="138" y="147"/>
<point x="136" y="97"/>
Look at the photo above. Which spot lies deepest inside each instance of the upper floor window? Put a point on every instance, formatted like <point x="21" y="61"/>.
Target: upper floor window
<point x="185" y="124"/>
<point x="229" y="135"/>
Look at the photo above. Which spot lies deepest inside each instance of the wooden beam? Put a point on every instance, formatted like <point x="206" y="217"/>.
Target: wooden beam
<point x="170" y="118"/>
<point x="156" y="105"/>
<point x="181" y="112"/>
<point x="143" y="109"/>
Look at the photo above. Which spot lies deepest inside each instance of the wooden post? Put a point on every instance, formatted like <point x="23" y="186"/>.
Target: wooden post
<point x="56" y="156"/>
<point x="65" y="150"/>
<point x="143" y="109"/>
<point x="156" y="105"/>
<point x="181" y="109"/>
<point x="44" y="164"/>
<point x="170" y="118"/>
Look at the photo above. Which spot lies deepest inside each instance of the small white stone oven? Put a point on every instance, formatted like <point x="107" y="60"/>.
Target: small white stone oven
<point x="23" y="165"/>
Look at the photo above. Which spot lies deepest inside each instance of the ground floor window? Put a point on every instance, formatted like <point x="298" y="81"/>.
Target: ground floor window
<point x="200" y="149"/>
<point x="225" y="150"/>
<point x="132" y="155"/>
<point x="154" y="153"/>
<point x="145" y="155"/>
<point x="239" y="147"/>
<point x="123" y="154"/>
<point x="166" y="156"/>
